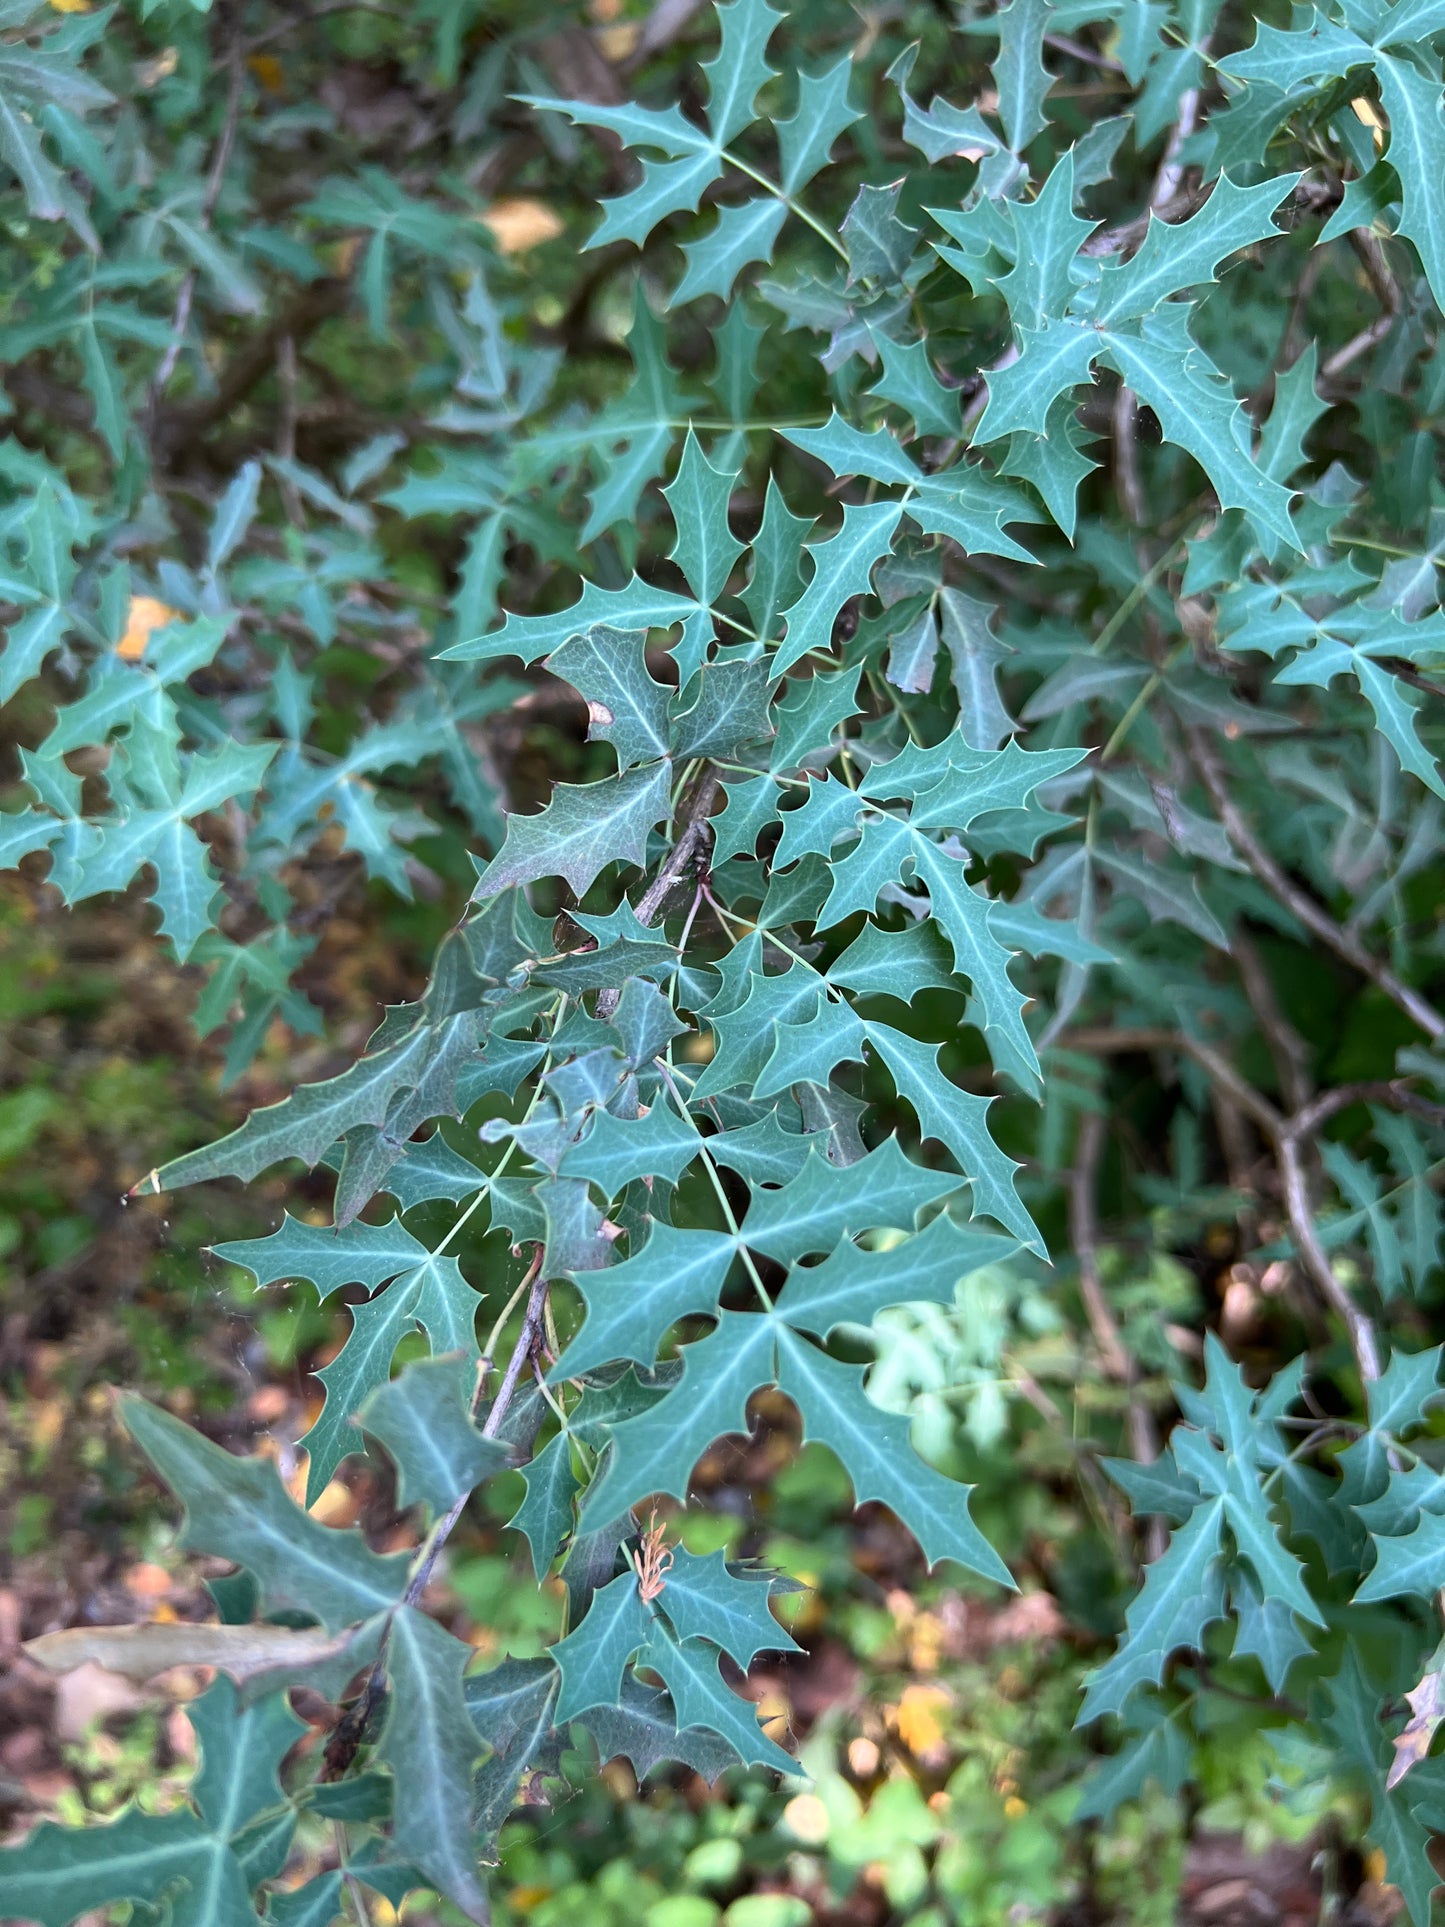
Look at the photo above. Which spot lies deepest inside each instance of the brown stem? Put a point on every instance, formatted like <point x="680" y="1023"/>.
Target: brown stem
<point x="1289" y="1136"/>
<point x="1289" y="1050"/>
<point x="1387" y="293"/>
<point x="214" y="181"/>
<point x="689" y="841"/>
<point x="1343" y="942"/>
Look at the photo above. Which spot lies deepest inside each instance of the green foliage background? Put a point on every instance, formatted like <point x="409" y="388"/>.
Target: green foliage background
<point x="897" y="672"/>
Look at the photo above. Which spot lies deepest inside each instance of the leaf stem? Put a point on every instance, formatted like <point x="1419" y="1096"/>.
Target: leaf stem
<point x="795" y="207"/>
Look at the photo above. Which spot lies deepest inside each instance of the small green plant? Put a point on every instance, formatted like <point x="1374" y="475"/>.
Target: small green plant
<point x="805" y="1000"/>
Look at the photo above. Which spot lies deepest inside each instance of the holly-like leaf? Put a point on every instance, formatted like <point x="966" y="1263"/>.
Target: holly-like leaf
<point x="361" y="1254"/>
<point x="806" y="138"/>
<point x="656" y="1451"/>
<point x="873" y="1448"/>
<point x="431" y="1744"/>
<point x="642" y="1728"/>
<point x="1183" y="1592"/>
<point x="698" y="497"/>
<point x="1171" y="258"/>
<point x="625" y="707"/>
<point x="704" y="1599"/>
<point x="738" y="237"/>
<point x="585" y="827"/>
<point x="825" y="1202"/>
<point x="592" y="1657"/>
<point x="423" y="1418"/>
<point x="689" y="1670"/>
<point x="631" y="1305"/>
<point x="852" y="1285"/>
<point x="240" y="1509"/>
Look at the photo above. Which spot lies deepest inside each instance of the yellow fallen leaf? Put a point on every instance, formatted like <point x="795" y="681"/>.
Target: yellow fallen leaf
<point x="145" y="615"/>
<point x="269" y="71"/>
<point x="917" y="1719"/>
<point x="520" y="223"/>
<point x="616" y="43"/>
<point x="70" y="6"/>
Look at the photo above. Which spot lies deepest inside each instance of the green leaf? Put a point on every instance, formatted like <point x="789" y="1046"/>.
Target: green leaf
<point x="585" y="827"/>
<point x="852" y="1285"/>
<point x="240" y="1509"/>
<point x="776" y="578"/>
<point x="909" y="380"/>
<point x="1049" y="236"/>
<point x="638" y="606"/>
<point x="739" y="236"/>
<point x="874" y="1450"/>
<point x="424" y="1419"/>
<point x="826" y="1202"/>
<point x="879" y="245"/>
<point x="655" y="1452"/>
<point x="361" y="1254"/>
<point x="739" y="69"/>
<point x="1051" y="361"/>
<point x="643" y="1729"/>
<point x="1183" y="1591"/>
<point x="957" y="1119"/>
<point x="616" y="1150"/>
<point x="1171" y="258"/>
<point x="807" y="136"/>
<point x="698" y="497"/>
<point x="842" y="568"/>
<point x="592" y="1657"/>
<point x="704" y="1599"/>
<point x="544" y="1517"/>
<point x="1318" y="50"/>
<point x="1018" y="70"/>
<point x="434" y="1298"/>
<point x="625" y="707"/>
<point x="630" y="1306"/>
<point x="1198" y="412"/>
<point x="722" y="711"/>
<point x="431" y="1745"/>
<point x="689" y="1671"/>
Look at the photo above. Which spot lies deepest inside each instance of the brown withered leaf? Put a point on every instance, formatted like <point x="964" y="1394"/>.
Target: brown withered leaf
<point x="1427" y="1710"/>
<point x="140" y="1652"/>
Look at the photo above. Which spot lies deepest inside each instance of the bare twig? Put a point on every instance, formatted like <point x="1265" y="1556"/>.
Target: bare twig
<point x="180" y="319"/>
<point x="1343" y="942"/>
<point x="1387" y="293"/>
<point x="689" y="841"/>
<point x="1289" y="1050"/>
<point x="1126" y="455"/>
<point x="1289" y="1137"/>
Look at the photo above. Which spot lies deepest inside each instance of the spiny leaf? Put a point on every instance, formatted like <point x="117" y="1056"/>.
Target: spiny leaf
<point x="591" y="1659"/>
<point x="689" y="1670"/>
<point x="585" y="827"/>
<point x="703" y="1599"/>
<point x="852" y="1285"/>
<point x="698" y="497"/>
<point x="631" y="1305"/>
<point x="423" y="1418"/>
<point x="240" y="1509"/>
<point x="873" y="1449"/>
<point x="625" y="707"/>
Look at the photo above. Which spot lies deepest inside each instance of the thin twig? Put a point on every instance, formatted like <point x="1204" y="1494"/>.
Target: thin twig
<point x="1289" y="1137"/>
<point x="215" y="180"/>
<point x="1343" y="942"/>
<point x="689" y="841"/>
<point x="1289" y="1050"/>
<point x="1387" y="293"/>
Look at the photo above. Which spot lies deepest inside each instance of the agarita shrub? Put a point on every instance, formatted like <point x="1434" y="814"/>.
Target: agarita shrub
<point x="936" y="768"/>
